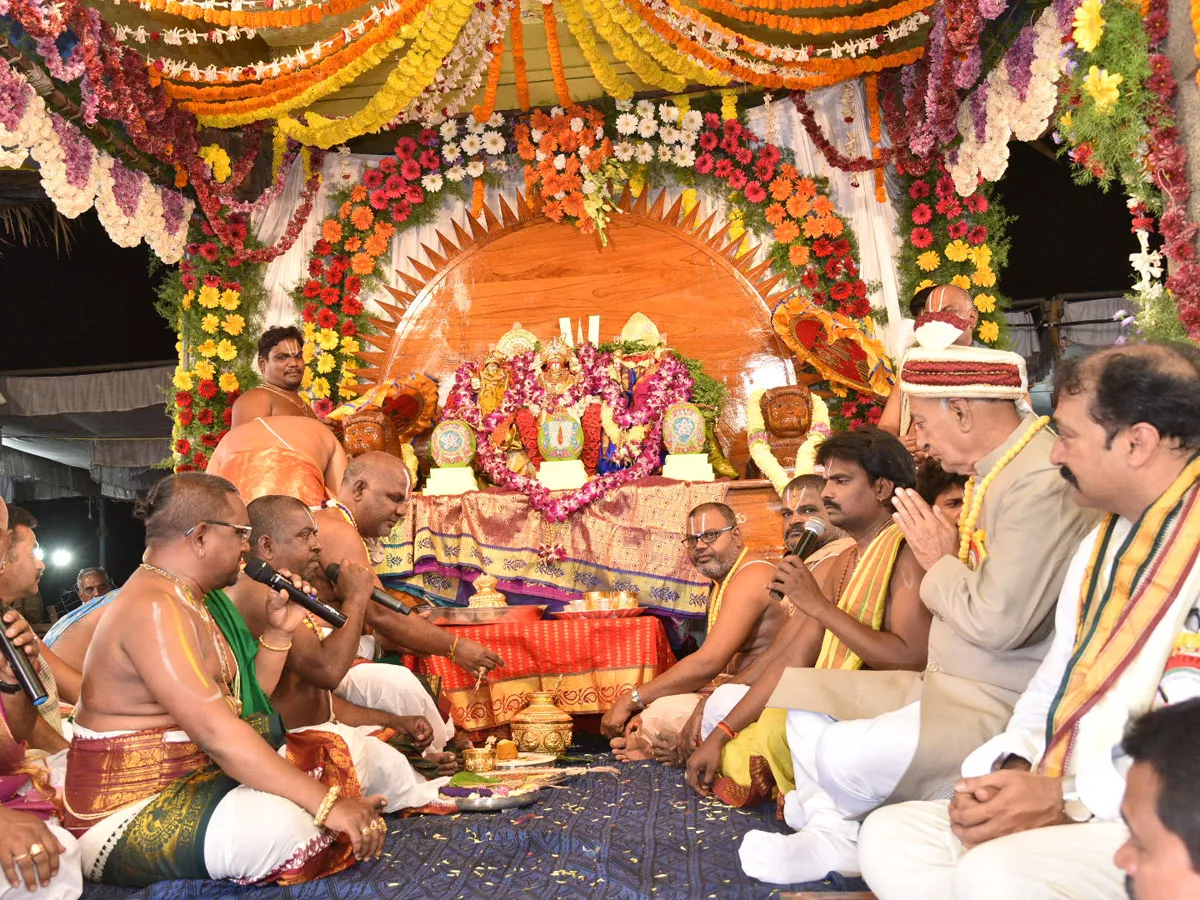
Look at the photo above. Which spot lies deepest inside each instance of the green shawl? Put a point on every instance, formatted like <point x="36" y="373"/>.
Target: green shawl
<point x="245" y="649"/>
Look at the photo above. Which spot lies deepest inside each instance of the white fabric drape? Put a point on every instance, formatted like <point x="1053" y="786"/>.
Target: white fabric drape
<point x="873" y="223"/>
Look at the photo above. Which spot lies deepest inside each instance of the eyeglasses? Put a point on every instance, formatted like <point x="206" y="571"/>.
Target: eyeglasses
<point x="244" y="531"/>
<point x="707" y="537"/>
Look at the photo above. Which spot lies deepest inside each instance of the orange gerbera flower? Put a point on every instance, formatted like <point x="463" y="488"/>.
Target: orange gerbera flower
<point x="385" y="230"/>
<point x="786" y="232"/>
<point x="376" y="245"/>
<point x="553" y="210"/>
<point x="331" y="230"/>
<point x="362" y="218"/>
<point x="344" y="210"/>
<point x="573" y="205"/>
<point x="362" y="263"/>
<point x="798" y="254"/>
<point x="797" y="206"/>
<point x="823" y="205"/>
<point x="781" y="188"/>
<point x="806" y="188"/>
<point x="353" y="245"/>
<point x="787" y="170"/>
<point x="814" y="227"/>
<point x="775" y="214"/>
<point x="834" y="226"/>
<point x="358" y="194"/>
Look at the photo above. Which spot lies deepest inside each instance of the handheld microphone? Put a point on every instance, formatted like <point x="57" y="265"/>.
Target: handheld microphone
<point x="27" y="676"/>
<point x="380" y="596"/>
<point x="264" y="574"/>
<point x="814" y="530"/>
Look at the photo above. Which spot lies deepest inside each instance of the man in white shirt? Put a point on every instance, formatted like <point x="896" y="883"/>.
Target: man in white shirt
<point x="1037" y="812"/>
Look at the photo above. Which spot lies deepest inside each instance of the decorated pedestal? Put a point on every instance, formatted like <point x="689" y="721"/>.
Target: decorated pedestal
<point x="683" y="434"/>
<point x="560" y="441"/>
<point x="453" y="448"/>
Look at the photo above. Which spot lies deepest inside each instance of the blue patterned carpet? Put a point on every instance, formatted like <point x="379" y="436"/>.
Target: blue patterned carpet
<point x="643" y="834"/>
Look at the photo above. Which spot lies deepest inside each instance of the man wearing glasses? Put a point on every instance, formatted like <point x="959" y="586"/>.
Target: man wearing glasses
<point x="743" y="619"/>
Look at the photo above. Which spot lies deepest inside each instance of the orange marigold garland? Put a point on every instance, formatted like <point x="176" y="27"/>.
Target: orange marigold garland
<point x="483" y="111"/>
<point x="876" y="133"/>
<point x="520" y="72"/>
<point x="555" y="51"/>
<point x="820" y="24"/>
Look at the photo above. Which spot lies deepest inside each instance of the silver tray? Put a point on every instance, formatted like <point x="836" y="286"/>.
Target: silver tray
<point x="484" y="615"/>
<point x="495" y="804"/>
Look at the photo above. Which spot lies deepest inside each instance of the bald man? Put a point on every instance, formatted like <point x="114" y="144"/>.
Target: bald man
<point x="283" y="455"/>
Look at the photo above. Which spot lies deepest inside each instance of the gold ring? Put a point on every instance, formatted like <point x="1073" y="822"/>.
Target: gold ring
<point x="21" y="857"/>
<point x="35" y="849"/>
<point x="366" y="829"/>
<point x="379" y="825"/>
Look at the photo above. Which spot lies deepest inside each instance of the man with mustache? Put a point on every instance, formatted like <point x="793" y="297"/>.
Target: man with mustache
<point x="281" y="363"/>
<point x="743" y="619"/>
<point x="990" y="584"/>
<point x="372" y="499"/>
<point x="866" y="613"/>
<point x="802" y="502"/>
<point x="1036" y="812"/>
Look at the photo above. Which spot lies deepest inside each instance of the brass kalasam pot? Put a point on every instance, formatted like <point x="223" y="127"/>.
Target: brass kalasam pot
<point x="479" y="759"/>
<point x="541" y="727"/>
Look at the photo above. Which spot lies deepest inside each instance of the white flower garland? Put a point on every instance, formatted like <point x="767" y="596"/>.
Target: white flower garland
<point x="760" y="448"/>
<point x="1007" y="117"/>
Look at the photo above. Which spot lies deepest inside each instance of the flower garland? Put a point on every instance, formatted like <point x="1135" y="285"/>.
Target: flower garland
<point x="217" y="316"/>
<point x="954" y="240"/>
<point x="77" y="176"/>
<point x="178" y="37"/>
<point x="1118" y="124"/>
<point x="526" y="396"/>
<point x="760" y="447"/>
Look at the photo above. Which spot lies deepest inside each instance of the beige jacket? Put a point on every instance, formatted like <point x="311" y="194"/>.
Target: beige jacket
<point x="991" y="626"/>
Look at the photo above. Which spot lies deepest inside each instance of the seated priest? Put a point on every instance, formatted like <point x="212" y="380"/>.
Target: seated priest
<point x="164" y="777"/>
<point x="39" y="859"/>
<point x="289" y="455"/>
<point x="372" y="499"/>
<point x="1037" y="811"/>
<point x="318" y="658"/>
<point x="743" y="619"/>
<point x="802" y="502"/>
<point x="867" y="612"/>
<point x="281" y="364"/>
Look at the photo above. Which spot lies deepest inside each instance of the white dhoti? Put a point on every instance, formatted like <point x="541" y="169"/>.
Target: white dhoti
<point x="381" y="768"/>
<point x="66" y="885"/>
<point x="396" y="690"/>
<point x="842" y="769"/>
<point x="907" y="852"/>
<point x="720" y="703"/>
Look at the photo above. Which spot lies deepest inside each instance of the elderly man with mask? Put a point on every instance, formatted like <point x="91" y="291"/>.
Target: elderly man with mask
<point x="865" y="738"/>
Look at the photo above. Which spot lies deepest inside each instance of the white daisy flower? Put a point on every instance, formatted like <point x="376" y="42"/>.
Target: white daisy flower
<point x="664" y="152"/>
<point x="499" y="165"/>
<point x="475" y="168"/>
<point x="449" y="131"/>
<point x="539" y="155"/>
<point x="644" y="153"/>
<point x="692" y="120"/>
<point x="493" y="142"/>
<point x="432" y="182"/>
<point x="495" y="121"/>
<point x="669" y="113"/>
<point x="627" y="123"/>
<point x="669" y="134"/>
<point x="472" y="144"/>
<point x="684" y="158"/>
<point x="623" y="151"/>
<point x="456" y="173"/>
<point x="647" y="128"/>
<point x="450" y="151"/>
<point x="599" y="132"/>
<point x="473" y="126"/>
<point x="624" y="105"/>
<point x="645" y="109"/>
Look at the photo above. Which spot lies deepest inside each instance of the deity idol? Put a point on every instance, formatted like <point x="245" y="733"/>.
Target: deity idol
<point x="787" y="413"/>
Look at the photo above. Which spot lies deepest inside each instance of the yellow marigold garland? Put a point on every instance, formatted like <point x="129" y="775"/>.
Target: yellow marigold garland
<point x="624" y="49"/>
<point x="612" y="83"/>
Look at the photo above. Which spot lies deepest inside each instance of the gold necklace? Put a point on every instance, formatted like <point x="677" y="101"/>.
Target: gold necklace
<point x="973" y="499"/>
<point x="230" y="673"/>
<point x="305" y="409"/>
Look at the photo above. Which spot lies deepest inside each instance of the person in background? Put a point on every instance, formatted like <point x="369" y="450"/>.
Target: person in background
<point x="1161" y="859"/>
<point x="941" y="489"/>
<point x="92" y="583"/>
<point x="281" y="363"/>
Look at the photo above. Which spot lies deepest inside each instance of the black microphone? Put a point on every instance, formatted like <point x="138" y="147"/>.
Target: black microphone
<point x="264" y="574"/>
<point x="380" y="596"/>
<point x="814" y="530"/>
<point x="27" y="676"/>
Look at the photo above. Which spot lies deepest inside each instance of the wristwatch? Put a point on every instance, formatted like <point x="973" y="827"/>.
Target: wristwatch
<point x="1074" y="808"/>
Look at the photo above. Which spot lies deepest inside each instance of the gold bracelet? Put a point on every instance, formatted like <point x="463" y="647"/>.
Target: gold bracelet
<point x="326" y="806"/>
<point x="284" y="649"/>
<point x="453" y="647"/>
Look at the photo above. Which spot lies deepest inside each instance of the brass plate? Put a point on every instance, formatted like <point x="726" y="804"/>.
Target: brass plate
<point x="490" y="615"/>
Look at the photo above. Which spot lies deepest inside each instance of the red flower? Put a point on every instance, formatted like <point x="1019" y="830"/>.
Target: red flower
<point x="810" y="279"/>
<point x="183" y="399"/>
<point x="400" y="210"/>
<point x="330" y="296"/>
<point x="212" y="281"/>
<point x="352" y="307"/>
<point x="206" y="228"/>
<point x="378" y="199"/>
<point x="208" y="440"/>
<point x="840" y="292"/>
<point x="312" y="287"/>
<point x="388" y="164"/>
<point x="372" y="179"/>
<point x="918" y="189"/>
<point x="957" y="229"/>
<point x="206" y="416"/>
<point x="737" y="179"/>
<point x="227" y="416"/>
<point x="833" y="268"/>
<point x="413" y="194"/>
<point x="724" y="168"/>
<point x="921" y="237"/>
<point x="393" y="186"/>
<point x="207" y="388"/>
<point x="405" y="148"/>
<point x="238" y="232"/>
<point x="769" y="154"/>
<point x="744" y="155"/>
<point x="310" y="311"/>
<point x="427" y="137"/>
<point x="410" y="170"/>
<point x="352" y="286"/>
<point x="190" y="282"/>
<point x="209" y="251"/>
<point x="944" y="186"/>
<point x="327" y="318"/>
<point x="841" y="247"/>
<point x="708" y="141"/>
<point x="712" y="120"/>
<point x="349" y="329"/>
<point x="921" y="214"/>
<point x="322" y="248"/>
<point x="316" y="266"/>
<point x="978" y="235"/>
<point x="335" y="274"/>
<point x="200" y="459"/>
<point x="823" y="247"/>
<point x="949" y="207"/>
<point x="977" y="203"/>
<point x="704" y="163"/>
<point x="185" y="417"/>
<point x="755" y="192"/>
<point x="183" y="446"/>
<point x="430" y="161"/>
<point x="732" y="128"/>
<point x="764" y="170"/>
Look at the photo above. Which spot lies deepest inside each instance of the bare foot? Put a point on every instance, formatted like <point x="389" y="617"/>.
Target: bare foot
<point x="627" y="749"/>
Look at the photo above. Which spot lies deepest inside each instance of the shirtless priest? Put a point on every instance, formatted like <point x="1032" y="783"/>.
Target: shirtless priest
<point x="743" y="619"/>
<point x="281" y="363"/>
<point x="164" y="779"/>
<point x="284" y="455"/>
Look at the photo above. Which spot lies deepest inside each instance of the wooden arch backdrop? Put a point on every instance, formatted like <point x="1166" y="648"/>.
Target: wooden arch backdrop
<point x="709" y="300"/>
